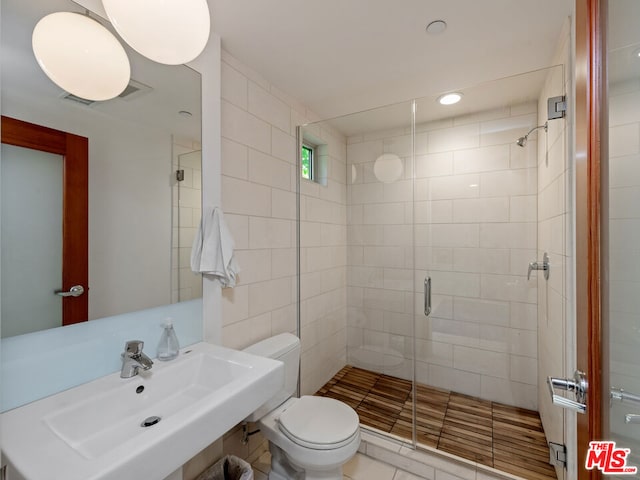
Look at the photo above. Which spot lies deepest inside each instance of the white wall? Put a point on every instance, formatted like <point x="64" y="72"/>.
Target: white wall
<point x="475" y="233"/>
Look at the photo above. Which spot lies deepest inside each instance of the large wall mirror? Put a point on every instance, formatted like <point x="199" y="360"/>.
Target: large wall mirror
<point x="144" y="184"/>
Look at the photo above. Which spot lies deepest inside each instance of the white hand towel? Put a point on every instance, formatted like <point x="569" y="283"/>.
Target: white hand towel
<point x="212" y="250"/>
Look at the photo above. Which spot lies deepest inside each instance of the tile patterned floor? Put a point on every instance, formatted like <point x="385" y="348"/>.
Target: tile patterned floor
<point x="359" y="467"/>
<point x="507" y="438"/>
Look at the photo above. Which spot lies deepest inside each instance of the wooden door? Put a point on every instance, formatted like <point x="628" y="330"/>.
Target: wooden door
<point x="75" y="252"/>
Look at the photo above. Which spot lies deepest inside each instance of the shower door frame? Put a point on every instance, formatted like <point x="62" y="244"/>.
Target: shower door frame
<point x="590" y="128"/>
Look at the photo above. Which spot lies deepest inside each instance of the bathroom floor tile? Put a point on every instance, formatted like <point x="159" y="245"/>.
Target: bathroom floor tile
<point x="501" y="436"/>
<point x="362" y="467"/>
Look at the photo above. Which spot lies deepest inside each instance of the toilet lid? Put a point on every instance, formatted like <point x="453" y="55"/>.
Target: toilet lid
<point x="319" y="423"/>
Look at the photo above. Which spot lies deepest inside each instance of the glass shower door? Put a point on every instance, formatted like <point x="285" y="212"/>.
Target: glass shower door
<point x="621" y="309"/>
<point x="372" y="247"/>
<point x="490" y="175"/>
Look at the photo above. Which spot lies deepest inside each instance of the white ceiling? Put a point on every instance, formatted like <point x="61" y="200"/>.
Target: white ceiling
<point x="343" y="56"/>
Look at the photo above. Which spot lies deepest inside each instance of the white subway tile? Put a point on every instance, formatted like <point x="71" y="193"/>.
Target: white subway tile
<point x="481" y="260"/>
<point x="509" y="392"/>
<point x="480" y="210"/>
<point x="283" y="146"/>
<point x="624" y="140"/>
<point x="234" y="159"/>
<point x="454" y="235"/>
<point x="509" y="183"/>
<point x="233" y="85"/>
<point x="484" y="159"/>
<point x="268" y="107"/>
<point x="508" y="235"/>
<point x="255" y="265"/>
<point x="484" y="362"/>
<point x="241" y="197"/>
<point x="506" y="130"/>
<point x="269" y="233"/>
<point x="364" y="152"/>
<point x="242" y="127"/>
<point x="434" y="165"/>
<point x="523" y="208"/>
<point x="450" y="379"/>
<point x="486" y="312"/>
<point x="508" y="288"/>
<point x="456" y="138"/>
<point x="384" y="214"/>
<point x="266" y="170"/>
<point x="457" y="186"/>
<point x="235" y="304"/>
<point x="283" y="204"/>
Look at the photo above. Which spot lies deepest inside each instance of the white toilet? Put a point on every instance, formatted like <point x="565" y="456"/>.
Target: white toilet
<point x="309" y="437"/>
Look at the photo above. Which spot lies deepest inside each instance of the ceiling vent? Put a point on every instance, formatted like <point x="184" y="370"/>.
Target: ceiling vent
<point x="132" y="91"/>
<point x="75" y="98"/>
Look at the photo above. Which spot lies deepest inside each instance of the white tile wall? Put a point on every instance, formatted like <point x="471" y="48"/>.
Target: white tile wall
<point x="258" y="196"/>
<point x="474" y="227"/>
<point x="554" y="236"/>
<point x="187" y="205"/>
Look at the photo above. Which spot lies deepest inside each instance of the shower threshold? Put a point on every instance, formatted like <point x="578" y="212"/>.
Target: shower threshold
<point x="500" y="436"/>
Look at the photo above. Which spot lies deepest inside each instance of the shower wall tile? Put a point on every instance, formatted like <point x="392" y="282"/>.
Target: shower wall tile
<point x="473" y="230"/>
<point x="554" y="210"/>
<point x="259" y="177"/>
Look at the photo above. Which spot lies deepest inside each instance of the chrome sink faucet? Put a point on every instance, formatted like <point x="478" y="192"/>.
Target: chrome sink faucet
<point x="133" y="359"/>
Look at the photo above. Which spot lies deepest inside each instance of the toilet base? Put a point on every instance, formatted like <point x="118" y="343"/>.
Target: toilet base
<point x="283" y="469"/>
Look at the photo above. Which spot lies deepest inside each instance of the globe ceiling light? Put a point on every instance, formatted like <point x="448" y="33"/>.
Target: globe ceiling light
<point x="166" y="31"/>
<point x="81" y="56"/>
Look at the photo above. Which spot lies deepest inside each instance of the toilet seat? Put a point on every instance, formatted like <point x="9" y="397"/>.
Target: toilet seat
<point x="319" y="423"/>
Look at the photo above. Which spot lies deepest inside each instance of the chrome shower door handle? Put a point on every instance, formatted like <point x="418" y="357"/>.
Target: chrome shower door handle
<point x="427" y="296"/>
<point x="74" y="291"/>
<point x="578" y="384"/>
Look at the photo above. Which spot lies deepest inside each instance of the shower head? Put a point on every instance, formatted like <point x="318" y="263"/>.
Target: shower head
<point x="522" y="141"/>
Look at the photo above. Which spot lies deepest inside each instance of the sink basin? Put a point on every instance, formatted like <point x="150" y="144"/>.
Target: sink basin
<point x="142" y="427"/>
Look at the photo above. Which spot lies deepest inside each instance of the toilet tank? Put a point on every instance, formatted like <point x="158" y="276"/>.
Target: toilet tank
<point x="286" y="348"/>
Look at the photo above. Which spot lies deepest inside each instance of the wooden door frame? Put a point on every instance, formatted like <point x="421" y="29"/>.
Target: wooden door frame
<point x="590" y="130"/>
<point x="75" y="223"/>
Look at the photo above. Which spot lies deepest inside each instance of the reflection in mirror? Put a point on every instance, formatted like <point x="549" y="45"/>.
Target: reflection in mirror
<point x="141" y="217"/>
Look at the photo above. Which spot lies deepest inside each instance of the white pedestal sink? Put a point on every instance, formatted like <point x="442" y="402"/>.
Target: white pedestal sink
<point x="143" y="427"/>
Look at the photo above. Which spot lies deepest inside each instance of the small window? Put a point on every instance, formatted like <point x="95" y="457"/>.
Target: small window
<point x="306" y="156"/>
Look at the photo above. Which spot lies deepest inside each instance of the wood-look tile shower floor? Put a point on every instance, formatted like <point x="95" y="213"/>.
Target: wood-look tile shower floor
<point x="507" y="438"/>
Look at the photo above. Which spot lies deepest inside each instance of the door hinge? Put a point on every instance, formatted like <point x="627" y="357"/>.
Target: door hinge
<point x="556" y="107"/>
<point x="557" y="455"/>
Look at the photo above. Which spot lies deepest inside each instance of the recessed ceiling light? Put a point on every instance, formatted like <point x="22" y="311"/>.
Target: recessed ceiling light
<point x="636" y="53"/>
<point x="436" y="27"/>
<point x="449" y="98"/>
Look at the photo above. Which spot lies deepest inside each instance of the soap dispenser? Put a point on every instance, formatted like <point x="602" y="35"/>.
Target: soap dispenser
<point x="168" y="346"/>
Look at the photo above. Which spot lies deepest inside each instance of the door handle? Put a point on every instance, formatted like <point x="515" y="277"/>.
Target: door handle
<point x="74" y="291"/>
<point x="629" y="398"/>
<point x="578" y="384"/>
<point x="427" y="296"/>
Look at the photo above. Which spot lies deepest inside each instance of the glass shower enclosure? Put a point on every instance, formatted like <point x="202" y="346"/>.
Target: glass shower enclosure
<point x="418" y="222"/>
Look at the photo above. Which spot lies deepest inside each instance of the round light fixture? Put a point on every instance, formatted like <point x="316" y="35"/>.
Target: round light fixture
<point x="81" y="56"/>
<point x="436" y="27"/>
<point x="449" y="98"/>
<point x="166" y="31"/>
<point x="388" y="167"/>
